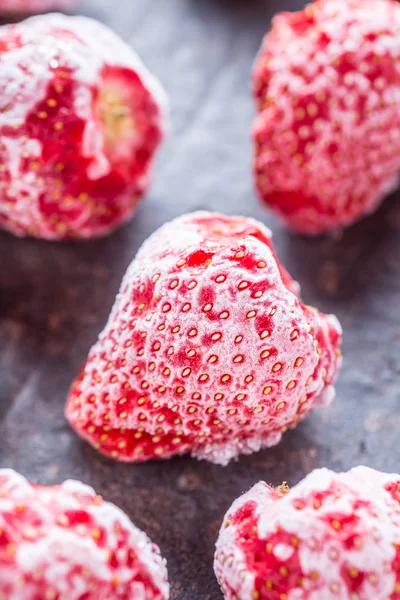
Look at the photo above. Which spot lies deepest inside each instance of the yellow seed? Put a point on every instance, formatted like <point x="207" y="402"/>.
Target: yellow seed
<point x="353" y="572"/>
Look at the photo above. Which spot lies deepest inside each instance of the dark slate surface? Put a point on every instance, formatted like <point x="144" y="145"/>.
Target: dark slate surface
<point x="54" y="299"/>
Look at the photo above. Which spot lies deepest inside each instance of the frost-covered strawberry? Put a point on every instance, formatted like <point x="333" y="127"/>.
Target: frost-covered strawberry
<point x="332" y="537"/>
<point x="208" y="349"/>
<point x="80" y="120"/>
<point x="65" y="542"/>
<point x="34" y="6"/>
<point x="327" y="137"/>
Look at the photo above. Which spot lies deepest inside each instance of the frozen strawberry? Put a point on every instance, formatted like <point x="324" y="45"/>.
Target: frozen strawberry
<point x="34" y="6"/>
<point x="327" y="137"/>
<point x="80" y="120"/>
<point x="65" y="542"/>
<point x="207" y="351"/>
<point x="332" y="537"/>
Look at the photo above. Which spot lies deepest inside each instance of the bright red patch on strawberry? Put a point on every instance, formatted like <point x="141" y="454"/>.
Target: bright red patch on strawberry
<point x="327" y="137"/>
<point x="208" y="349"/>
<point x="333" y="536"/>
<point x="79" y="130"/>
<point x="66" y="542"/>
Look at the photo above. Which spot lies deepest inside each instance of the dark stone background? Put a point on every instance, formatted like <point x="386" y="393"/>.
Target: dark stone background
<point x="55" y="298"/>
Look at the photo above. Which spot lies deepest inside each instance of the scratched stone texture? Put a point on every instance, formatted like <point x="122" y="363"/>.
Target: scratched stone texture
<point x="54" y="299"/>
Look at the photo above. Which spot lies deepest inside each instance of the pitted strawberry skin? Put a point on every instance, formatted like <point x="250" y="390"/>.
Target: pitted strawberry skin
<point x="327" y="134"/>
<point x="208" y="349"/>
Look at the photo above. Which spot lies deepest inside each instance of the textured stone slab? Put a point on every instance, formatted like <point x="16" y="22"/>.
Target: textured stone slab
<point x="54" y="299"/>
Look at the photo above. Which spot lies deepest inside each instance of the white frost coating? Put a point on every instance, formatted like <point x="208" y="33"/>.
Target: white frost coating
<point x="103" y="47"/>
<point x="15" y="483"/>
<point x="295" y="68"/>
<point x="62" y="545"/>
<point x="228" y="552"/>
<point x="33" y="88"/>
<point x="291" y="385"/>
<point x="86" y="47"/>
<point x="359" y="493"/>
<point x="108" y="513"/>
<point x="72" y="486"/>
<point x="58" y="548"/>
